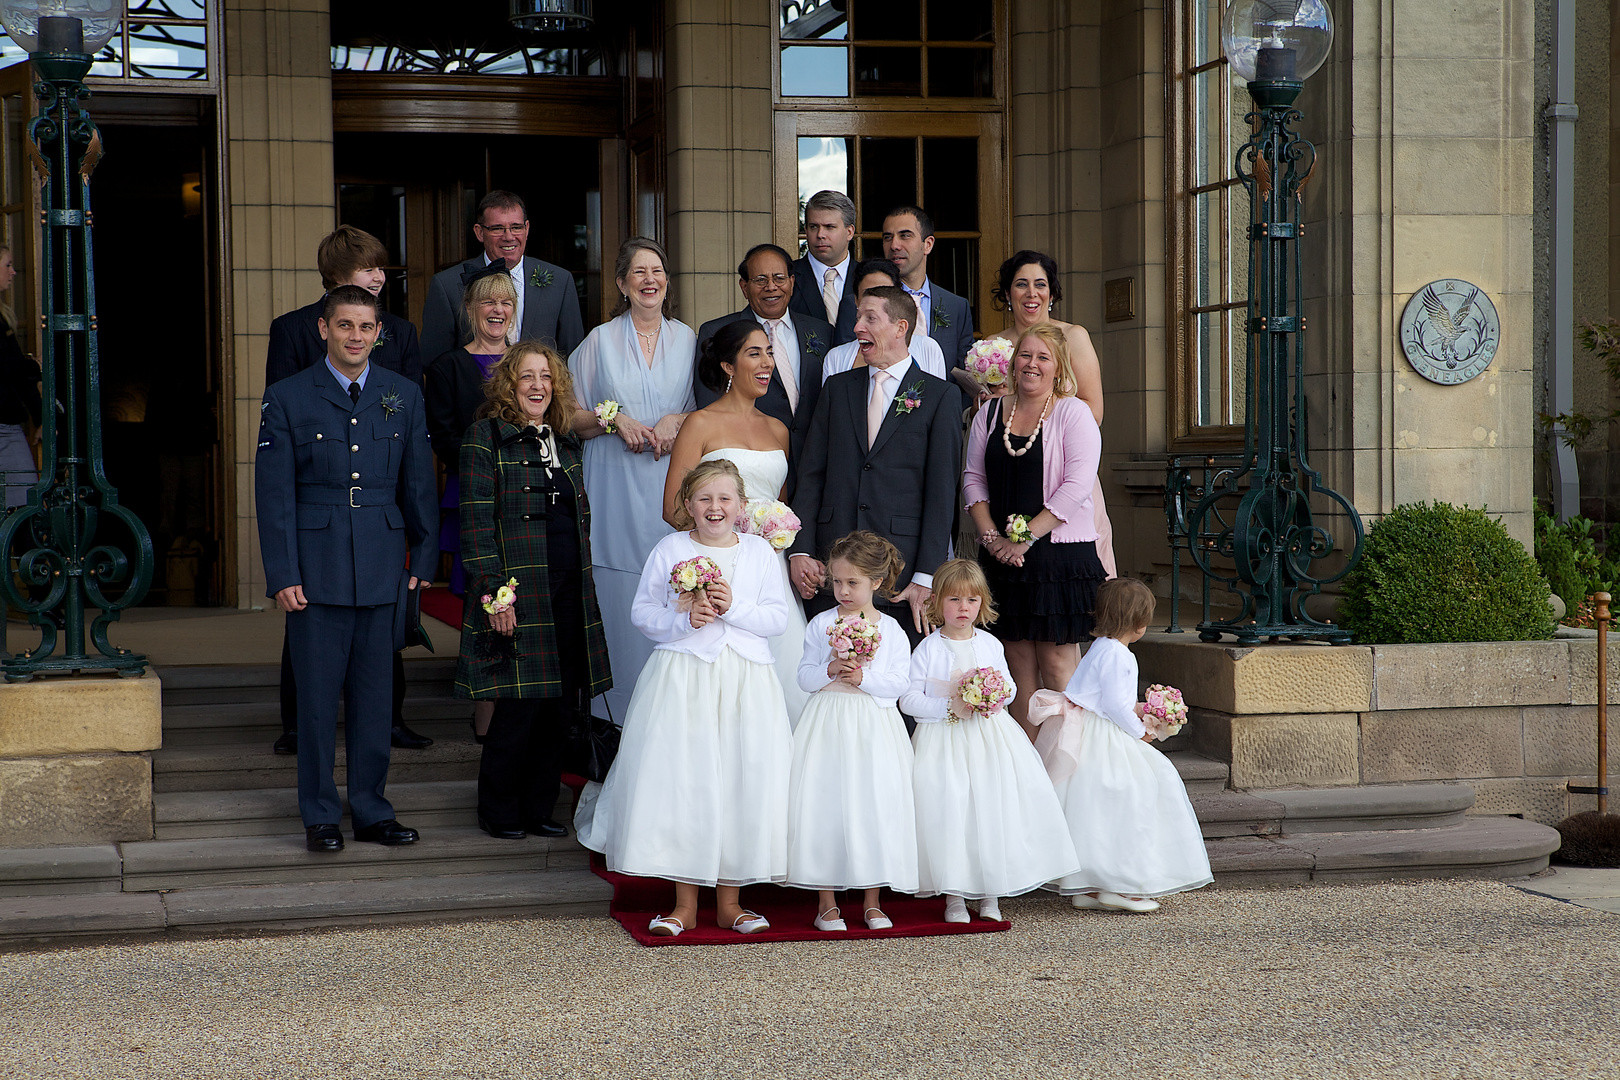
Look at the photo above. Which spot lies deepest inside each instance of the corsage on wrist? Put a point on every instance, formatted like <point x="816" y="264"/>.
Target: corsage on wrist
<point x="502" y="600"/>
<point x="988" y="537"/>
<point x="1018" y="530"/>
<point x="606" y="414"/>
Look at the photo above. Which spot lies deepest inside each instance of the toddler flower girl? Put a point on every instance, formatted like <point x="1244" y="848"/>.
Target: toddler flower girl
<point x="851" y="822"/>
<point x="698" y="791"/>
<point x="1133" y="826"/>
<point x="988" y="822"/>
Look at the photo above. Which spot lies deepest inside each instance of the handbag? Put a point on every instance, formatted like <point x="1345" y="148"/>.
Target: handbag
<point x="593" y="742"/>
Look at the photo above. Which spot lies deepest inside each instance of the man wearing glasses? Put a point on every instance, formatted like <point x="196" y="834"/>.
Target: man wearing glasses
<point x="548" y="303"/>
<point x="798" y="342"/>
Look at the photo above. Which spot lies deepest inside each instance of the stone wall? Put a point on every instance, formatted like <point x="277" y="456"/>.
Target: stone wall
<point x="1516" y="720"/>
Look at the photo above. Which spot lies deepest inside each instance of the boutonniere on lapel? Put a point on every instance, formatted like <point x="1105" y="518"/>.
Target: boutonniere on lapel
<point x="382" y="338"/>
<point x="392" y="403"/>
<point x="541" y="278"/>
<point x="942" y="321"/>
<point x="814" y="345"/>
<point x="908" y="399"/>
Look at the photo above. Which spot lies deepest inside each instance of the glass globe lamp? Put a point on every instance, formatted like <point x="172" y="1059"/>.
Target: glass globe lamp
<point x="61" y="26"/>
<point x="1276" y="41"/>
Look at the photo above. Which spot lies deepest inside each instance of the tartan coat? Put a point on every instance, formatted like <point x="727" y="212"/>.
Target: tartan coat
<point x="497" y="465"/>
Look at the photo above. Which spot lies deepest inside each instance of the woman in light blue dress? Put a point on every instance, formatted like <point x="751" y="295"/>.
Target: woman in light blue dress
<point x="643" y="360"/>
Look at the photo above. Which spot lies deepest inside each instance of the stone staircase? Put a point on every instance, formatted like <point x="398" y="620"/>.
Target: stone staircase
<point x="228" y="850"/>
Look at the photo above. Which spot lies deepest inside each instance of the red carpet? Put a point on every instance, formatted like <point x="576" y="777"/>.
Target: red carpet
<point x="443" y="605"/>
<point x="636" y="900"/>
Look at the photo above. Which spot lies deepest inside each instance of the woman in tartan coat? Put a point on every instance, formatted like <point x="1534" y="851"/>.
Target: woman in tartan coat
<point x="524" y="517"/>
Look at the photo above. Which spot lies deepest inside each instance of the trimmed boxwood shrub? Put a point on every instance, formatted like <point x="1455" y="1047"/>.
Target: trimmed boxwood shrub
<point x="1437" y="572"/>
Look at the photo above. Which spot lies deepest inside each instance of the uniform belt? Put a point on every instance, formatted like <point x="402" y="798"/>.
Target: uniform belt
<point x="355" y="496"/>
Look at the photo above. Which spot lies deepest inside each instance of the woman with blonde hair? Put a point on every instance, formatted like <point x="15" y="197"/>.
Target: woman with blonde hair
<point x="1028" y="484"/>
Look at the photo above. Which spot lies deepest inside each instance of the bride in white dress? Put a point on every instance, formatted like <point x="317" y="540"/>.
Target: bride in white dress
<point x="737" y="364"/>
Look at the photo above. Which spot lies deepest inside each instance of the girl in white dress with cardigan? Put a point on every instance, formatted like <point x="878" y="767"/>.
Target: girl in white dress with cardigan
<point x="737" y="364"/>
<point x="851" y="820"/>
<point x="1133" y="826"/>
<point x="698" y="792"/>
<point x="988" y="822"/>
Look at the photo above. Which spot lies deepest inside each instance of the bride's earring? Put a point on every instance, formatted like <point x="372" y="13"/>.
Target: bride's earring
<point x="728" y="384"/>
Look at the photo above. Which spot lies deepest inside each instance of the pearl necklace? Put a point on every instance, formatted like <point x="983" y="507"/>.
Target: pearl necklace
<point x="1006" y="426"/>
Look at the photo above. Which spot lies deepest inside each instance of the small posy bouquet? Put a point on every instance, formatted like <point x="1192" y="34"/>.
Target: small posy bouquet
<point x="852" y="637"/>
<point x="690" y="577"/>
<point x="1163" y="712"/>
<point x="771" y="519"/>
<point x="983" y="691"/>
<point x="502" y="599"/>
<point x="990" y="362"/>
<point x="606" y="414"/>
<point x="1018" y="529"/>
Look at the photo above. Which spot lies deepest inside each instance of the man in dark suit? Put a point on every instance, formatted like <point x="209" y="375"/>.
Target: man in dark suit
<point x="883" y="453"/>
<point x="344" y="486"/>
<point x="908" y="237"/>
<point x="822" y="278"/>
<point x="798" y="342"/>
<point x="346" y="256"/>
<point x="548" y="303"/>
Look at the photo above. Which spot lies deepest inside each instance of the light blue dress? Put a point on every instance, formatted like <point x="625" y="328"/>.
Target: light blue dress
<point x="627" y="490"/>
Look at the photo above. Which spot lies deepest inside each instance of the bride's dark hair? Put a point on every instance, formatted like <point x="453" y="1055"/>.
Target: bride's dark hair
<point x="723" y="348"/>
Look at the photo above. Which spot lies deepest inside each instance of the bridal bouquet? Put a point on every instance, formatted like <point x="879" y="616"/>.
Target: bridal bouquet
<point x="852" y="637"/>
<point x="982" y="692"/>
<point x="989" y="362"/>
<point x="690" y="577"/>
<point x="771" y="519"/>
<point x="503" y="598"/>
<point x="607" y="413"/>
<point x="1164" y="713"/>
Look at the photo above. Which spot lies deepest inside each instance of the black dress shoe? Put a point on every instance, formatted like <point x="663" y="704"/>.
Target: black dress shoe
<point x="406" y="739"/>
<point x="323" y="838"/>
<point x="287" y="744"/>
<point x="548" y="827"/>
<point x="501" y="832"/>
<point x="388" y="832"/>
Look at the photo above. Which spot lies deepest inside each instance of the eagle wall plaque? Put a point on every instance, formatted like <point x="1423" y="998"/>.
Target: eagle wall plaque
<point x="1449" y="331"/>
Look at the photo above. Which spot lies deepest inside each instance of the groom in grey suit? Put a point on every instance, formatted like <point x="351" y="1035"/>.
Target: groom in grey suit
<point x="548" y="303"/>
<point x="883" y="453"/>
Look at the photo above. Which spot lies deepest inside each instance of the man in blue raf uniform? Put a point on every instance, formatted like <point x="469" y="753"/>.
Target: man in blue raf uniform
<point x="345" y="489"/>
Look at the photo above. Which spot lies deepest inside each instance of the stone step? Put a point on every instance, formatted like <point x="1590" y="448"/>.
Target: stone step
<point x="264" y="727"/>
<point x="1198" y="772"/>
<point x="329" y="903"/>
<point x="1358" y="809"/>
<point x="229" y="718"/>
<point x="1482" y="847"/>
<point x="82" y="868"/>
<point x="151" y="865"/>
<point x="1235" y="813"/>
<point x="253" y="765"/>
<point x="215" y="683"/>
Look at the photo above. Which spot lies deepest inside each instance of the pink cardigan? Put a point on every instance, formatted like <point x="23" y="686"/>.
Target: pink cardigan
<point x="1071" y="448"/>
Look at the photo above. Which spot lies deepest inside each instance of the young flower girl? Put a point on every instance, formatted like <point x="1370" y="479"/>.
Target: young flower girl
<point x="851" y="822"/>
<point x="698" y="791"/>
<point x="1133" y="826"/>
<point x="988" y="823"/>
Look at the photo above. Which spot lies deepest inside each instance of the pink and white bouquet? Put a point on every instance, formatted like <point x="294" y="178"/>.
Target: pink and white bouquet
<point x="990" y="362"/>
<point x="983" y="691"/>
<point x="502" y="599"/>
<point x="690" y="577"/>
<point x="771" y="519"/>
<point x="1163" y="712"/>
<point x="852" y="637"/>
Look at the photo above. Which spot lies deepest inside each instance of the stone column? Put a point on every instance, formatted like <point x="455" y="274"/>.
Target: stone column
<point x="718" y="110"/>
<point x="278" y="99"/>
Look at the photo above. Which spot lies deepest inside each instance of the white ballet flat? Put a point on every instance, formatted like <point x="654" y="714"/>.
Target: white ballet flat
<point x="879" y="921"/>
<point x="1114" y="900"/>
<point x="956" y="910"/>
<point x="833" y="924"/>
<point x="1087" y="902"/>
<point x="990" y="909"/>
<point x="666" y="926"/>
<point x="750" y="922"/>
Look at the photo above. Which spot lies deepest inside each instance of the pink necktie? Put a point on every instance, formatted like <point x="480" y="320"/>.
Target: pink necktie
<point x="877" y="406"/>
<point x="829" y="294"/>
<point x="784" y="366"/>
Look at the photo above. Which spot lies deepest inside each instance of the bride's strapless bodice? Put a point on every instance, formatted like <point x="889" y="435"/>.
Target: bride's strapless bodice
<point x="763" y="471"/>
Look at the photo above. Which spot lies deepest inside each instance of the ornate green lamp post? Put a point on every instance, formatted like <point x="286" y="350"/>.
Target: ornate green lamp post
<point x="1270" y="535"/>
<point x="75" y="550"/>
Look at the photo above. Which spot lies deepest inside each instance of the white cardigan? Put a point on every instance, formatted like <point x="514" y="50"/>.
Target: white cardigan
<point x="884" y="679"/>
<point x="1105" y="683"/>
<point x="928" y="700"/>
<point x="759" y="602"/>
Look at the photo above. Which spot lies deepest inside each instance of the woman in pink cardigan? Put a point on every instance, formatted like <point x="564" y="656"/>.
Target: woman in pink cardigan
<point x="1031" y="469"/>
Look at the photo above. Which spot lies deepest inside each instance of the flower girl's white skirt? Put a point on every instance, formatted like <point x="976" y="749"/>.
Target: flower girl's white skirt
<point x="698" y="791"/>
<point x="851" y="820"/>
<point x="988" y="823"/>
<point x="1133" y="826"/>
